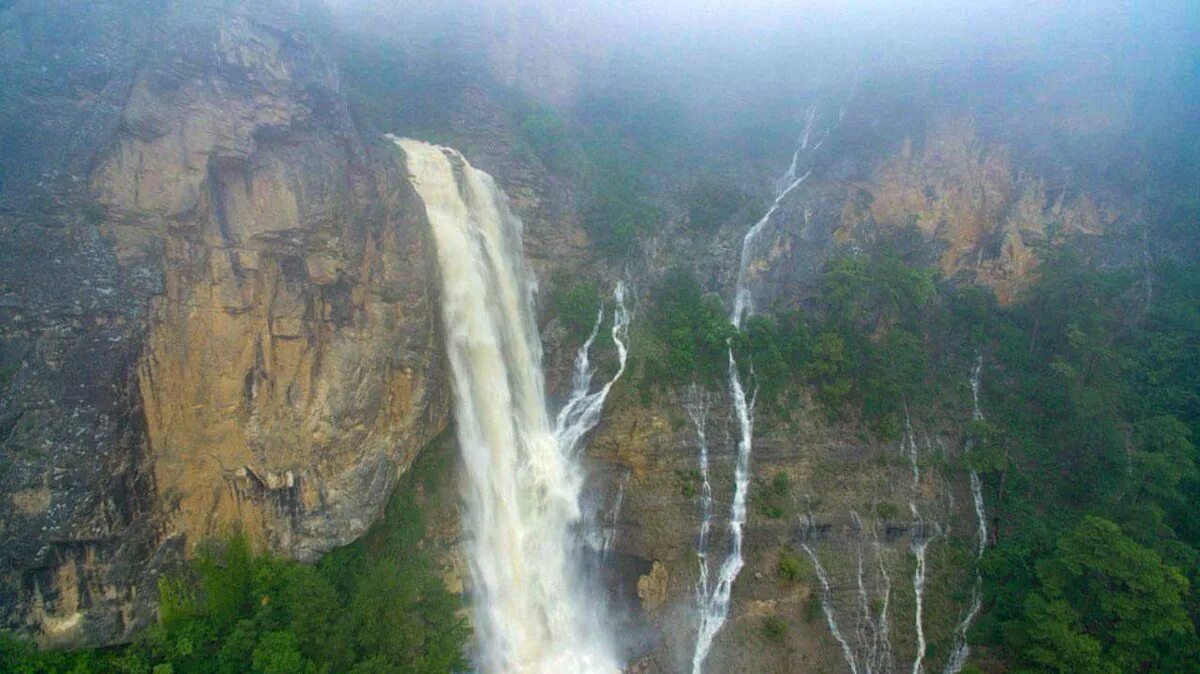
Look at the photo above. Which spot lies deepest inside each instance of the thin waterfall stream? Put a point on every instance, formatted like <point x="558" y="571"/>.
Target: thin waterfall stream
<point x="962" y="649"/>
<point x="713" y="600"/>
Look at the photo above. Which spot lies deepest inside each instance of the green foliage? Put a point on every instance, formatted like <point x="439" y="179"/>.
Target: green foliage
<point x="1088" y="456"/>
<point x="712" y="202"/>
<point x="694" y="328"/>
<point x="576" y="305"/>
<point x="93" y="213"/>
<point x="689" y="482"/>
<point x="775" y="629"/>
<point x="616" y="214"/>
<point x="1104" y="604"/>
<point x="774" y="499"/>
<point x="791" y="569"/>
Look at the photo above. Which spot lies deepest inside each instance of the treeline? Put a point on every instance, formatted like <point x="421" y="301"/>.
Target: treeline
<point x="375" y="607"/>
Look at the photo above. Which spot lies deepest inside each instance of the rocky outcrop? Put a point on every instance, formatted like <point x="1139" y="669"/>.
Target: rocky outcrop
<point x="217" y="307"/>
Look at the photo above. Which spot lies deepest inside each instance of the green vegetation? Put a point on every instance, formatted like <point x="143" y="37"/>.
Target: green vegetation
<point x="775" y="629"/>
<point x="616" y="213"/>
<point x="773" y="500"/>
<point x="576" y="305"/>
<point x="712" y="202"/>
<point x="375" y="606"/>
<point x="689" y="482"/>
<point x="1089" y="458"/>
<point x="547" y="134"/>
<point x="791" y="569"/>
<point x="694" y="329"/>
<point x="93" y="213"/>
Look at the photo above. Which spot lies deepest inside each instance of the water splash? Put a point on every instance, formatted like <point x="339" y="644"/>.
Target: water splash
<point x="521" y="487"/>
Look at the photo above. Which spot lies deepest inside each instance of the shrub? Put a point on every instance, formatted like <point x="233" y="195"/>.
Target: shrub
<point x="791" y="569"/>
<point x="775" y="628"/>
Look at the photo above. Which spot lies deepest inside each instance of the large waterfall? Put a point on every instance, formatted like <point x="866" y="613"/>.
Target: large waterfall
<point x="521" y="490"/>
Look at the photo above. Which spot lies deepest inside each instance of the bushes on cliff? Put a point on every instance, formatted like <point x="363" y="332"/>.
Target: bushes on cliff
<point x="616" y="214"/>
<point x="694" y="329"/>
<point x="576" y="306"/>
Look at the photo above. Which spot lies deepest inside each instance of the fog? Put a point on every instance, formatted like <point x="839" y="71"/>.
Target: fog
<point x="1122" y="65"/>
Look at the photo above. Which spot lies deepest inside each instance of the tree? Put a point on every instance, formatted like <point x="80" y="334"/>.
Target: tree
<point x="1105" y="604"/>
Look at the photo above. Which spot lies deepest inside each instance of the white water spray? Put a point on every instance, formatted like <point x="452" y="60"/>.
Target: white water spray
<point x="521" y="488"/>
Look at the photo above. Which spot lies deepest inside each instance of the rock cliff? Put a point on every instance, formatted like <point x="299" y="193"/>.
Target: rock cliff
<point x="217" y="309"/>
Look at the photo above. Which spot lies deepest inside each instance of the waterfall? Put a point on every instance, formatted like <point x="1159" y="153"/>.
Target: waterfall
<point x="697" y="409"/>
<point x="580" y="414"/>
<point x="714" y="608"/>
<point x="962" y="649"/>
<point x="919" y="546"/>
<point x="714" y="602"/>
<point x="827" y="607"/>
<point x="609" y="534"/>
<point x="908" y="443"/>
<point x="872" y="630"/>
<point x="521" y="488"/>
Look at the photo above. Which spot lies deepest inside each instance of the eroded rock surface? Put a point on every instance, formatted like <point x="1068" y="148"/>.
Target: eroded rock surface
<point x="215" y="302"/>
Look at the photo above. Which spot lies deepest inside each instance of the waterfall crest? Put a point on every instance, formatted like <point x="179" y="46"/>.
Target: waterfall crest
<point x="521" y="490"/>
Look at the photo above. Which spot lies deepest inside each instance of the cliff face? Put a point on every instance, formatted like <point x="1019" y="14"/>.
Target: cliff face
<point x="217" y="306"/>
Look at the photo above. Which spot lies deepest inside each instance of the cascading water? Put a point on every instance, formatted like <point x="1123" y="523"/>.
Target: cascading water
<point x="962" y="649"/>
<point x="608" y="535"/>
<point x="827" y="607"/>
<point x="521" y="487"/>
<point x="582" y="410"/>
<point x="714" y="608"/>
<point x="872" y="630"/>
<point x="697" y="408"/>
<point x="919" y="546"/>
<point x="714" y="601"/>
<point x="908" y="443"/>
<point x="580" y="414"/>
